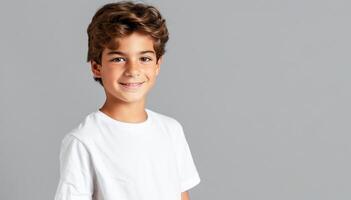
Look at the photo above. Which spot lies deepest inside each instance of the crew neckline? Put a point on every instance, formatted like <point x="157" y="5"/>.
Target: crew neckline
<point x="122" y="124"/>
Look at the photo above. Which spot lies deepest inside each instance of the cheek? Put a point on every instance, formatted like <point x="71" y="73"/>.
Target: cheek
<point x="111" y="73"/>
<point x="151" y="73"/>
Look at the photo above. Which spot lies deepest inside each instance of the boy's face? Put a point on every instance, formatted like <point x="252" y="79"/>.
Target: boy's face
<point x="133" y="62"/>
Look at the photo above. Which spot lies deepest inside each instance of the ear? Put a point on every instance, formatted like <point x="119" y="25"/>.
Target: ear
<point x="96" y="69"/>
<point x="158" y="65"/>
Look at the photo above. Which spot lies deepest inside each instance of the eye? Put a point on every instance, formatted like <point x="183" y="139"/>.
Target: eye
<point x="145" y="59"/>
<point x="118" y="59"/>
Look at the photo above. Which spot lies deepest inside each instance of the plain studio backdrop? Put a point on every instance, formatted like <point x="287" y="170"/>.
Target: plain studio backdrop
<point x="261" y="87"/>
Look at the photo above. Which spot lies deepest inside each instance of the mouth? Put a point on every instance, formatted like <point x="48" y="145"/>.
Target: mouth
<point x="131" y="85"/>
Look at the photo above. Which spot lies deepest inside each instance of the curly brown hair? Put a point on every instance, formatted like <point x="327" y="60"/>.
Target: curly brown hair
<point x="119" y="19"/>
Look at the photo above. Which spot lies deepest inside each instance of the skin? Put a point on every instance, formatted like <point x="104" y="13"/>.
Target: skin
<point x="185" y="195"/>
<point x="131" y="64"/>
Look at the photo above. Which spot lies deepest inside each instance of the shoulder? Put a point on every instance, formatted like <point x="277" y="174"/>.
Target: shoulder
<point x="166" y="120"/>
<point x="84" y="132"/>
<point x="169" y="123"/>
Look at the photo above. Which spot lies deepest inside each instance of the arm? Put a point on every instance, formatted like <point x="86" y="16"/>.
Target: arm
<point x="189" y="176"/>
<point x="185" y="195"/>
<point x="76" y="171"/>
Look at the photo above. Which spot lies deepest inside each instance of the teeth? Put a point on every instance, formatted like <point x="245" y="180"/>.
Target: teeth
<point x="131" y="84"/>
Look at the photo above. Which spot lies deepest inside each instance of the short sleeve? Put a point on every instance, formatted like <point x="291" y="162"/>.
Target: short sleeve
<point x="76" y="171"/>
<point x="189" y="176"/>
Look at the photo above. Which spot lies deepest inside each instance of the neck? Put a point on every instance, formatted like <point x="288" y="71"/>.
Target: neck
<point x="125" y="111"/>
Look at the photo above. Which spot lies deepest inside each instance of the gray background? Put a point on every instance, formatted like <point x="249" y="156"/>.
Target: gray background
<point x="262" y="89"/>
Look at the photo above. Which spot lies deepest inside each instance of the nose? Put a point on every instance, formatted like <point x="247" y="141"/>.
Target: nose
<point x="132" y="68"/>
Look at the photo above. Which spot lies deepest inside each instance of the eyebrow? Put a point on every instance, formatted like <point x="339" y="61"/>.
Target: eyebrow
<point x="121" y="53"/>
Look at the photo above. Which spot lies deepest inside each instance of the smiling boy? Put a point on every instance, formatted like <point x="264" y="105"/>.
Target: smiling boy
<point x="124" y="151"/>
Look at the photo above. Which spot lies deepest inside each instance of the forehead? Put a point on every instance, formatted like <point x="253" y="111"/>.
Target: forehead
<point x="132" y="43"/>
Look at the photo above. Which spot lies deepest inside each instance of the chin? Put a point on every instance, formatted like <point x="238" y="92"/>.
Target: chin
<point x="133" y="100"/>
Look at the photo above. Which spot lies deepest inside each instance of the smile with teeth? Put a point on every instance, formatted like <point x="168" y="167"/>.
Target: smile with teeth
<point x="132" y="85"/>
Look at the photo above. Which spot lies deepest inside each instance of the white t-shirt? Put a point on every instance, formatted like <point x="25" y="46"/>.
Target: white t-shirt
<point x="107" y="159"/>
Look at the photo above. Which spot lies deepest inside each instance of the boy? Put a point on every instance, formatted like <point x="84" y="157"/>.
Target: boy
<point x="124" y="151"/>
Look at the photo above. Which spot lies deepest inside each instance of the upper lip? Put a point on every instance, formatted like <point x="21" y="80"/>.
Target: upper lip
<point x="131" y="82"/>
